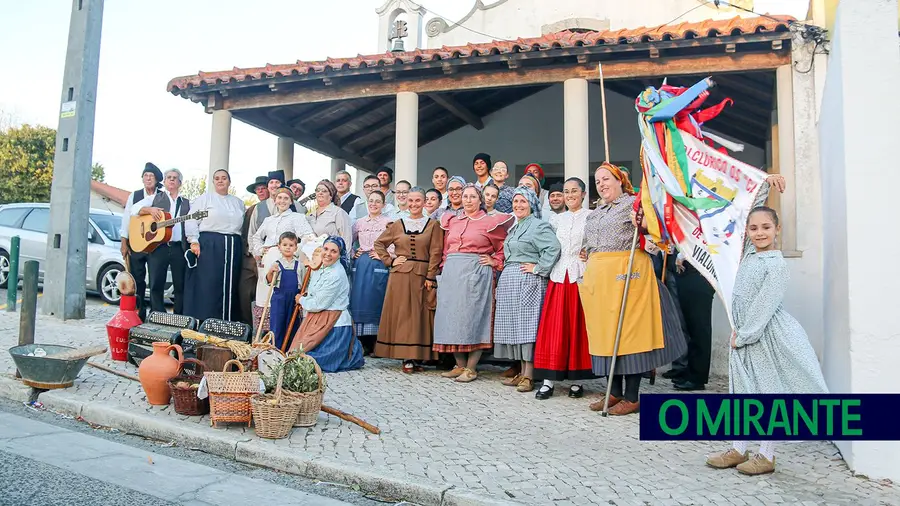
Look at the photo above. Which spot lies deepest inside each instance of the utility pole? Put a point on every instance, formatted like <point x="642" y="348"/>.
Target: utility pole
<point x="70" y="194"/>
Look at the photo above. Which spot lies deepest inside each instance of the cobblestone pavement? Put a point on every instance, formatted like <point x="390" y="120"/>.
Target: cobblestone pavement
<point x="490" y="439"/>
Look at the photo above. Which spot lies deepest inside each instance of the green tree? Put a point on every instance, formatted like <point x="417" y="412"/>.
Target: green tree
<point x="26" y="163"/>
<point x="98" y="173"/>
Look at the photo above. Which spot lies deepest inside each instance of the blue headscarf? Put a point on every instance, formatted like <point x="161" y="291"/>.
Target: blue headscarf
<point x="342" y="249"/>
<point x="459" y="179"/>
<point x="532" y="198"/>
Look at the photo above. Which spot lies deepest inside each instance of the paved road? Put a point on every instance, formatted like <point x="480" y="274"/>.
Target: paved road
<point x="49" y="460"/>
<point x="93" y="300"/>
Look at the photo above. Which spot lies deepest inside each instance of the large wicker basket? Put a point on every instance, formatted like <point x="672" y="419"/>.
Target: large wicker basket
<point x="310" y="402"/>
<point x="186" y="400"/>
<point x="274" y="414"/>
<point x="229" y="394"/>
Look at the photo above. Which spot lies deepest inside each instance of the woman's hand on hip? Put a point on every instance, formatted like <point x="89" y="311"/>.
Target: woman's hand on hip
<point x="373" y="255"/>
<point x="528" y="268"/>
<point x="486" y="260"/>
<point x="400" y="260"/>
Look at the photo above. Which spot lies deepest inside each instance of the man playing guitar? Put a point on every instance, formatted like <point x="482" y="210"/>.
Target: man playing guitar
<point x="137" y="262"/>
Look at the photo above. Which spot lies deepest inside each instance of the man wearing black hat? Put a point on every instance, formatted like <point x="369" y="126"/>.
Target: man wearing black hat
<point x="137" y="262"/>
<point x="385" y="176"/>
<point x="247" y="281"/>
<point x="481" y="164"/>
<point x="266" y="208"/>
<point x="557" y="199"/>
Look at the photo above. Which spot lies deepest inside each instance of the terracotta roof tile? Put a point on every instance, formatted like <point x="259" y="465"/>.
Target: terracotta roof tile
<point x="117" y="195"/>
<point x="564" y="39"/>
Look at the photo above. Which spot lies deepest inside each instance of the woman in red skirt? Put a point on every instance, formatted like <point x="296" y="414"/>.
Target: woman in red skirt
<point x="562" y="344"/>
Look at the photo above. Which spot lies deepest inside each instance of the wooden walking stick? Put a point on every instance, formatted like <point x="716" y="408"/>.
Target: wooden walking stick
<point x="311" y="266"/>
<point x="612" y="366"/>
<point x="287" y="334"/>
<point x="350" y="418"/>
<point x="268" y="304"/>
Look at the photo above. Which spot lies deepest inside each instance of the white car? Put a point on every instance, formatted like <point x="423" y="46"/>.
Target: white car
<point x="104" y="256"/>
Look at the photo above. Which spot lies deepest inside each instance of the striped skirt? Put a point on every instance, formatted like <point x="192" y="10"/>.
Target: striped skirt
<point x="462" y="321"/>
<point x="211" y="280"/>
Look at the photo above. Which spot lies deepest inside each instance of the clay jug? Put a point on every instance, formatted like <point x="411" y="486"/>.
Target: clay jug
<point x="156" y="370"/>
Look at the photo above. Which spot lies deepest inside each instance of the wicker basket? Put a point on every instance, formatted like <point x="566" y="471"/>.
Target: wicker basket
<point x="274" y="415"/>
<point x="229" y="394"/>
<point x="310" y="402"/>
<point x="186" y="400"/>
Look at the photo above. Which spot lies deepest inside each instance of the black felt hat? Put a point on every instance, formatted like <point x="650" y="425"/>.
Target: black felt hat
<point x="277" y="174"/>
<point x="153" y="169"/>
<point x="292" y="181"/>
<point x="260" y="180"/>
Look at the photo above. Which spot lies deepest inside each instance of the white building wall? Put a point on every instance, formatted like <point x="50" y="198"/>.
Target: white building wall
<point x="510" y="19"/>
<point x="861" y="275"/>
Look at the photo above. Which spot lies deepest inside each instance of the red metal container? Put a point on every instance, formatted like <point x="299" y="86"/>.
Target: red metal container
<point x="118" y="326"/>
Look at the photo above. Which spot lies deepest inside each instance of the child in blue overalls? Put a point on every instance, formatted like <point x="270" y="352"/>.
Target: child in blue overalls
<point x="287" y="286"/>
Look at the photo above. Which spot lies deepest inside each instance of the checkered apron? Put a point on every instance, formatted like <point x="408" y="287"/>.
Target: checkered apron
<point x="520" y="297"/>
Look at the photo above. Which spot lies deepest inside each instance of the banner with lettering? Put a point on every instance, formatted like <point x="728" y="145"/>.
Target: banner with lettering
<point x="694" y="195"/>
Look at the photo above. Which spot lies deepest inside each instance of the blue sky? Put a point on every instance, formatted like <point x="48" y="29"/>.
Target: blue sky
<point x="146" y="43"/>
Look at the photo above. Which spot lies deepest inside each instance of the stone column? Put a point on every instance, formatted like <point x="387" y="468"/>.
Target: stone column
<point x="285" y="157"/>
<point x="784" y="98"/>
<point x="361" y="175"/>
<point x="337" y="165"/>
<point x="577" y="147"/>
<point x="860" y="271"/>
<point x="406" y="154"/>
<point x="220" y="141"/>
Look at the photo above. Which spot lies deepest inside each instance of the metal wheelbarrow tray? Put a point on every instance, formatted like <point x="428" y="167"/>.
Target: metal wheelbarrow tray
<point x="45" y="372"/>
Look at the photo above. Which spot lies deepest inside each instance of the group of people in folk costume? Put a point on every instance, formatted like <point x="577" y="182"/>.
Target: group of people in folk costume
<point x="465" y="268"/>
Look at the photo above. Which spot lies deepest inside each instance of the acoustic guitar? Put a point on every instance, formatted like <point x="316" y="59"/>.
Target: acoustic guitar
<point x="145" y="234"/>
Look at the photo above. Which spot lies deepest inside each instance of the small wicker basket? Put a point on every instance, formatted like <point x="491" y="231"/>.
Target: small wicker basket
<point x="229" y="394"/>
<point x="186" y="400"/>
<point x="274" y="414"/>
<point x="310" y="402"/>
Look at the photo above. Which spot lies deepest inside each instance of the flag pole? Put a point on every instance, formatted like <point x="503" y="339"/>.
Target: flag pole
<point x="603" y="102"/>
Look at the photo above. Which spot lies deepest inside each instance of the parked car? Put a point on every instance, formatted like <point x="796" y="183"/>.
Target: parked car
<point x="104" y="256"/>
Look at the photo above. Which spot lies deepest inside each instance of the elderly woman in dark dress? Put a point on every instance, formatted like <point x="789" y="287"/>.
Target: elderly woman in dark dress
<point x="651" y="332"/>
<point x="530" y="250"/>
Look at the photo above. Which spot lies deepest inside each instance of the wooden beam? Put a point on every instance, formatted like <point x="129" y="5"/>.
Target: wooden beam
<point x="324" y="147"/>
<point x="366" y="131"/>
<point x="740" y="62"/>
<point x="460" y="111"/>
<point x="341" y="120"/>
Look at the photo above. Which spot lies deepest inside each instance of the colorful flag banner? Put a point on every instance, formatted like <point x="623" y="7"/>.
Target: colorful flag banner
<point x="694" y="195"/>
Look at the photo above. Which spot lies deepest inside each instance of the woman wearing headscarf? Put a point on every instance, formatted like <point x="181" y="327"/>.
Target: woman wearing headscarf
<point x="651" y="333"/>
<point x="370" y="278"/>
<point x="473" y="250"/>
<point x="454" y="197"/>
<point x="529" y="250"/>
<point x="536" y="170"/>
<point x="326" y="333"/>
<point x="562" y="344"/>
<point x="328" y="218"/>
<point x="407" y="321"/>
<point x="264" y="247"/>
<point x="214" y="260"/>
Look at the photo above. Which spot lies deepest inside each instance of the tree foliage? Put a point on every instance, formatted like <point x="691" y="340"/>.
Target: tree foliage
<point x="196" y="186"/>
<point x="26" y="163"/>
<point x="98" y="173"/>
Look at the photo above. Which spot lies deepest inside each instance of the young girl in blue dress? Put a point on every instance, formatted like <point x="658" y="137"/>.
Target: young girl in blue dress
<point x="287" y="286"/>
<point x="770" y="352"/>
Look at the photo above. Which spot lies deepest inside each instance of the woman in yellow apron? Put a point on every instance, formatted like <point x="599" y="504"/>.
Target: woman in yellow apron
<point x="651" y="333"/>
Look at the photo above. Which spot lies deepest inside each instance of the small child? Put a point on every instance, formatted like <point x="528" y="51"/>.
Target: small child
<point x="287" y="287"/>
<point x="771" y="353"/>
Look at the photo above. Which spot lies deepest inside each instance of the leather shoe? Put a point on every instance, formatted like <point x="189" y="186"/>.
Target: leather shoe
<point x="576" y="391"/>
<point x="544" y="393"/>
<point x="673" y="373"/>
<point x="688" y="385"/>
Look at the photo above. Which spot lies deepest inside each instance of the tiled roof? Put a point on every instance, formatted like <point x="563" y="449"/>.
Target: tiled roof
<point x="567" y="39"/>
<point x="117" y="195"/>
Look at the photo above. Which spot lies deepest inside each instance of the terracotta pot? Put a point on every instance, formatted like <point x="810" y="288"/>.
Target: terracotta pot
<point x="156" y="370"/>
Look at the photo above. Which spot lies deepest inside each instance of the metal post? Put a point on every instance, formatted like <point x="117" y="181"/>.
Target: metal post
<point x="70" y="193"/>
<point x="29" y="305"/>
<point x="12" y="279"/>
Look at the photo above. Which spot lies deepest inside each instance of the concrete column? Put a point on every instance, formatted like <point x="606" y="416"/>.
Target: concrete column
<point x="337" y="165"/>
<point x="861" y="346"/>
<point x="406" y="154"/>
<point x="576" y="123"/>
<point x="361" y="175"/>
<point x="784" y="90"/>
<point x="285" y="157"/>
<point x="220" y="141"/>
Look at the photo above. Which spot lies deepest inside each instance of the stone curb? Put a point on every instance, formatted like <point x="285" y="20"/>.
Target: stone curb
<point x="255" y="452"/>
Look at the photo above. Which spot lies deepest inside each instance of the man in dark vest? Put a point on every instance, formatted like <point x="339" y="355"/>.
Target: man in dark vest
<point x="298" y="188"/>
<point x="137" y="262"/>
<point x="247" y="283"/>
<point x="343" y="182"/>
<point x="170" y="254"/>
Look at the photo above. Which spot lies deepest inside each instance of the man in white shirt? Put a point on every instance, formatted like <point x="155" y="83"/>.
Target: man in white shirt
<point x="137" y="262"/>
<point x="170" y="254"/>
<point x="298" y="188"/>
<point x="361" y="209"/>
<point x="342" y="182"/>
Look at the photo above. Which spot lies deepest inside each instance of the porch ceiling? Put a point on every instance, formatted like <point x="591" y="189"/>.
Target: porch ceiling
<point x="346" y="108"/>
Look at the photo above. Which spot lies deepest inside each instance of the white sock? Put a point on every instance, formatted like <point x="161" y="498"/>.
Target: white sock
<point x="548" y="383"/>
<point x="767" y="450"/>
<point x="740" y="446"/>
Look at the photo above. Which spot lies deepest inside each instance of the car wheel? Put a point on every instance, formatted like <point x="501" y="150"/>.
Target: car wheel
<point x="4" y="268"/>
<point x="106" y="284"/>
